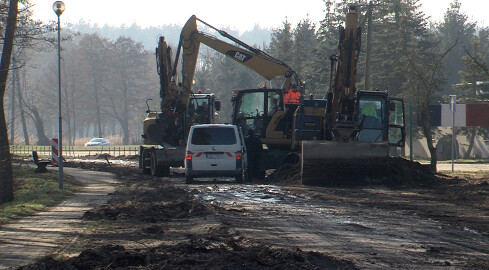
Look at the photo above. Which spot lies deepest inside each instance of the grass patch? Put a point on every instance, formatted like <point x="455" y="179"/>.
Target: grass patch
<point x="34" y="192"/>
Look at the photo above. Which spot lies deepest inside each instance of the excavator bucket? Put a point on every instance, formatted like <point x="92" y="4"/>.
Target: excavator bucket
<point x="335" y="163"/>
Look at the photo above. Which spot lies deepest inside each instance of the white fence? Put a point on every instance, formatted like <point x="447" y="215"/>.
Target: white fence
<point x="73" y="152"/>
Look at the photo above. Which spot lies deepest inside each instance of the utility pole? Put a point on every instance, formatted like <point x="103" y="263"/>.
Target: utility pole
<point x="369" y="47"/>
<point x="58" y="8"/>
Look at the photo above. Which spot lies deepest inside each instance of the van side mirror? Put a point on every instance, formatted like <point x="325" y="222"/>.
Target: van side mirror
<point x="217" y="104"/>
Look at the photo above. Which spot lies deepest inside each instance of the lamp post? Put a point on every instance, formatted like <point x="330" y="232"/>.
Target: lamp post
<point x="58" y="8"/>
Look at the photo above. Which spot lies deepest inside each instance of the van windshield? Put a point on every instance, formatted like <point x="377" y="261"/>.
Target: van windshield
<point x="214" y="136"/>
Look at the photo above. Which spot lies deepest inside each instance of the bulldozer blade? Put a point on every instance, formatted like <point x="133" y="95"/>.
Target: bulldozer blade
<point x="334" y="163"/>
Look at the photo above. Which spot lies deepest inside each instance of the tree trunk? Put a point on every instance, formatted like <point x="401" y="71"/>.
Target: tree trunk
<point x="426" y="127"/>
<point x="472" y="132"/>
<point x="73" y="112"/>
<point x="97" y="102"/>
<point x="97" y="110"/>
<point x="22" y="112"/>
<point x="12" y="101"/>
<point x="67" y="113"/>
<point x="125" y="119"/>
<point x="42" y="139"/>
<point x="7" y="179"/>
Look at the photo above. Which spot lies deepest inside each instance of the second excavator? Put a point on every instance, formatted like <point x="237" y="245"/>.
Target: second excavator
<point x="346" y="136"/>
<point x="360" y="127"/>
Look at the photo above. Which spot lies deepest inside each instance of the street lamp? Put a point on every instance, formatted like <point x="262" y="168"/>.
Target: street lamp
<point x="58" y="8"/>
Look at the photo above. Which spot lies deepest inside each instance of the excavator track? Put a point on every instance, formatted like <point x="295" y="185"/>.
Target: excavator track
<point x="334" y="163"/>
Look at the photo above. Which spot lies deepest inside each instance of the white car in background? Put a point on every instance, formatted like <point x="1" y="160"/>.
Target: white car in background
<point x="97" y="142"/>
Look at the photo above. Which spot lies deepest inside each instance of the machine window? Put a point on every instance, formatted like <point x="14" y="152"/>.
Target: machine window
<point x="252" y="105"/>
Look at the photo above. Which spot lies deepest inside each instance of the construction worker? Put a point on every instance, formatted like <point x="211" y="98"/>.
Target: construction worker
<point x="255" y="150"/>
<point x="368" y="109"/>
<point x="370" y="114"/>
<point x="293" y="95"/>
<point x="202" y="113"/>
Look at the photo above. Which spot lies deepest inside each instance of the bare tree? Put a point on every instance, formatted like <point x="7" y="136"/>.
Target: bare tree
<point x="477" y="61"/>
<point x="425" y="80"/>
<point x="21" y="109"/>
<point x="129" y="81"/>
<point x="6" y="182"/>
<point x="95" y="51"/>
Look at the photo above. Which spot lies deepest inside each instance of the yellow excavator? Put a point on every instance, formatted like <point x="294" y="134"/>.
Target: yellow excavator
<point x="360" y="126"/>
<point x="346" y="136"/>
<point x="165" y="132"/>
<point x="349" y="131"/>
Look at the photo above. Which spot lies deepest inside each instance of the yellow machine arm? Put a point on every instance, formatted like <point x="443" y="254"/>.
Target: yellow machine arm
<point x="343" y="85"/>
<point x="176" y="96"/>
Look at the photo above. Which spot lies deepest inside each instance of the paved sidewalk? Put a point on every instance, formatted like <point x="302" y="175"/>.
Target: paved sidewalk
<point x="467" y="167"/>
<point x="36" y="236"/>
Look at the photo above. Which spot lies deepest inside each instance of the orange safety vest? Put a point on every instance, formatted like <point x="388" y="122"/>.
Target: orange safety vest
<point x="291" y="97"/>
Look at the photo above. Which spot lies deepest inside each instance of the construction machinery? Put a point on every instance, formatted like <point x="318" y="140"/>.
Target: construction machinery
<point x="348" y="133"/>
<point x="165" y="132"/>
<point x="360" y="126"/>
<point x="163" y="147"/>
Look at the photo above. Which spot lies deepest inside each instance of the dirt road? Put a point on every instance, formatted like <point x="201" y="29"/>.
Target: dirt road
<point x="30" y="238"/>
<point x="162" y="223"/>
<point x="370" y="227"/>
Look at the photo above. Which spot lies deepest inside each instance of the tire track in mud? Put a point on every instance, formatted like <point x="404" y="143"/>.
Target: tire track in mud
<point x="373" y="228"/>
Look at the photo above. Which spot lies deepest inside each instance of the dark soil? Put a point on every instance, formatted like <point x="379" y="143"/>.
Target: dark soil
<point x="400" y="173"/>
<point x="155" y="223"/>
<point x="152" y="224"/>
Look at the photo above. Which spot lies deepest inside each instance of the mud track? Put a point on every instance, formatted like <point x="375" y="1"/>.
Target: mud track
<point x="427" y="221"/>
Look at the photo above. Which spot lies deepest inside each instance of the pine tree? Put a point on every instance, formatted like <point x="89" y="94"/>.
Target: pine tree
<point x="471" y="89"/>
<point x="455" y="28"/>
<point x="305" y="40"/>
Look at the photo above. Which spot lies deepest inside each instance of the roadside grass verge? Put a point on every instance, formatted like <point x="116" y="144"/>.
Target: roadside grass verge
<point x="34" y="192"/>
<point x="468" y="174"/>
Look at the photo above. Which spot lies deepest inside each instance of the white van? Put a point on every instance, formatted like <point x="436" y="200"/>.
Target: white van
<point x="215" y="150"/>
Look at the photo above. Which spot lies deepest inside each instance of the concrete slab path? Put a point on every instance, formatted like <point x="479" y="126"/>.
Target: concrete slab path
<point x="30" y="238"/>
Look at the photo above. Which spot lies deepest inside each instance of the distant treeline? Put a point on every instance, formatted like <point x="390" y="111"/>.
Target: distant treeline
<point x="149" y="36"/>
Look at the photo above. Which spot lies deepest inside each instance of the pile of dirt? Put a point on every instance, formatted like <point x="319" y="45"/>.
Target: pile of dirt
<point x="399" y="172"/>
<point x="287" y="174"/>
<point x="105" y="156"/>
<point x="122" y="171"/>
<point x="149" y="206"/>
<point x="199" y="253"/>
<point x="406" y="173"/>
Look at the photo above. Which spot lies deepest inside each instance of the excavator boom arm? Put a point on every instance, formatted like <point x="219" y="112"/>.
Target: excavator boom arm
<point x="175" y="92"/>
<point x="255" y="59"/>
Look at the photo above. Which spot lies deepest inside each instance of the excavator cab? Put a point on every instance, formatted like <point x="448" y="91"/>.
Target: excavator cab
<point x="261" y="109"/>
<point x="379" y="125"/>
<point x="380" y="118"/>
<point x="373" y="108"/>
<point x="397" y="123"/>
<point x="202" y="108"/>
<point x="264" y="110"/>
